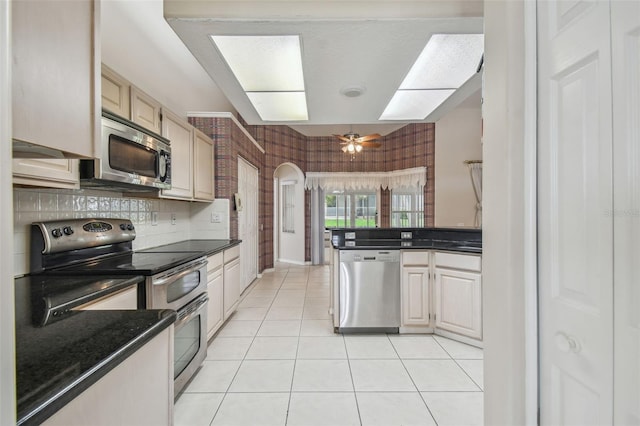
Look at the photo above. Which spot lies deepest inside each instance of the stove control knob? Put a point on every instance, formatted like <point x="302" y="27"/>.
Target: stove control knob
<point x="130" y="227"/>
<point x="123" y="226"/>
<point x="67" y="230"/>
<point x="57" y="233"/>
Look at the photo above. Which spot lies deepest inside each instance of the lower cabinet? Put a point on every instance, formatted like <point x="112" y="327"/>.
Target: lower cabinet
<point x="231" y="287"/>
<point x="139" y="391"/>
<point x="415" y="295"/>
<point x="442" y="291"/>
<point x="215" y="313"/>
<point x="458" y="301"/>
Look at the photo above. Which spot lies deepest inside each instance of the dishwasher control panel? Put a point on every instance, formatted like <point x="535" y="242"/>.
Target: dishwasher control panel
<point x="369" y="256"/>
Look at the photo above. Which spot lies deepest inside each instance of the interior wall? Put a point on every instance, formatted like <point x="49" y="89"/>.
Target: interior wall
<point x="143" y="60"/>
<point x="457" y="139"/>
<point x="508" y="217"/>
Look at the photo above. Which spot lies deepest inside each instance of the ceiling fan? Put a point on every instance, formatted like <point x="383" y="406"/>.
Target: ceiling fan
<point x="353" y="142"/>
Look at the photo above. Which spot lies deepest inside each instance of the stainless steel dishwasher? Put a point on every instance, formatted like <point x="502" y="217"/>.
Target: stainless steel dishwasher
<point x="369" y="291"/>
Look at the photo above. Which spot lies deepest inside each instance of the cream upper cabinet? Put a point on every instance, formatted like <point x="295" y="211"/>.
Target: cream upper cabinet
<point x="116" y="93"/>
<point x="458" y="294"/>
<point x="415" y="288"/>
<point x="145" y="110"/>
<point x="45" y="172"/>
<point x="192" y="161"/>
<point x="203" y="171"/>
<point x="54" y="73"/>
<point x="180" y="134"/>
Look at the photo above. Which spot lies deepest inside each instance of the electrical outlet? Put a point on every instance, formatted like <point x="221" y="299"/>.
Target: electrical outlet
<point x="216" y="217"/>
<point x="406" y="235"/>
<point x="173" y="218"/>
<point x="154" y="218"/>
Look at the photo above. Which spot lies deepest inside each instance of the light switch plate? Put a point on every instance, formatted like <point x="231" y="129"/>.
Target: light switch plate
<point x="154" y="218"/>
<point x="216" y="217"/>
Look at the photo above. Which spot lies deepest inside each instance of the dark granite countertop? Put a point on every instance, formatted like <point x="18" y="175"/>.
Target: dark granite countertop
<point x="206" y="247"/>
<point x="58" y="361"/>
<point x="444" y="239"/>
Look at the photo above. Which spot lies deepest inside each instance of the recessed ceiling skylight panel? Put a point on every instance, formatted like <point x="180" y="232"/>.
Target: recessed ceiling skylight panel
<point x="269" y="70"/>
<point x="445" y="64"/>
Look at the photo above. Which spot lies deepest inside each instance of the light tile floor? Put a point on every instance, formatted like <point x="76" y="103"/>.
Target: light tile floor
<point x="278" y="362"/>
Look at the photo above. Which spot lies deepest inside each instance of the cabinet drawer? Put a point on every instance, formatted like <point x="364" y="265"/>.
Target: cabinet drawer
<point x="231" y="254"/>
<point x="458" y="261"/>
<point x="215" y="262"/>
<point x="415" y="257"/>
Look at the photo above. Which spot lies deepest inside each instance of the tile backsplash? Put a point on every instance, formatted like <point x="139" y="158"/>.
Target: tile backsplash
<point x="193" y="220"/>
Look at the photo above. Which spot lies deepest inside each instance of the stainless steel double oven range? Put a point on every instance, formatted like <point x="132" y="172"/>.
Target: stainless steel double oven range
<point x="173" y="280"/>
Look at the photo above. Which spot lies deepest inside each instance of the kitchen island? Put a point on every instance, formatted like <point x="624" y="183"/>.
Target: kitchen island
<point x="436" y="286"/>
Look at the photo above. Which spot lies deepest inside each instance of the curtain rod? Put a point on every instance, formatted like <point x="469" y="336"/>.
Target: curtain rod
<point x="472" y="161"/>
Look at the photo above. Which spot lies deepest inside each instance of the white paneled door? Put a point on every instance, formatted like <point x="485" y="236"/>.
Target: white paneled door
<point x="248" y="222"/>
<point x="575" y="198"/>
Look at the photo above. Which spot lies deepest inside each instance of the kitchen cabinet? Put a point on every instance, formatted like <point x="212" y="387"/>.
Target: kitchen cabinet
<point x="45" y="172"/>
<point x="145" y="110"/>
<point x="231" y="280"/>
<point x="137" y="391"/>
<point x="203" y="170"/>
<point x="415" y="288"/>
<point x="116" y="93"/>
<point x="458" y="294"/>
<point x="180" y="133"/>
<point x="125" y="299"/>
<point x="215" y="290"/>
<point x="54" y="73"/>
<point x="192" y="161"/>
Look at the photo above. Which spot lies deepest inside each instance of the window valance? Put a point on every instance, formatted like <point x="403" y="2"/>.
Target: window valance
<point x="406" y="178"/>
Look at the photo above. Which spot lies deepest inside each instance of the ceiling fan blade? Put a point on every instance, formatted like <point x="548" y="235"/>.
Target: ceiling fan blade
<point x="368" y="137"/>
<point x="371" y="144"/>
<point x="342" y="138"/>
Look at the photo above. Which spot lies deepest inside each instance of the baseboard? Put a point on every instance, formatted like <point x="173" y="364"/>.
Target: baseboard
<point x="459" y="338"/>
<point x="293" y="262"/>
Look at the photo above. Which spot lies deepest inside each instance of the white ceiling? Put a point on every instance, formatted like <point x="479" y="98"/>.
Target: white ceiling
<point x="366" y="44"/>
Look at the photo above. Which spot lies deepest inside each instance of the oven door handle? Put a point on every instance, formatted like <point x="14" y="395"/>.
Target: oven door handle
<point x="178" y="275"/>
<point x="185" y="314"/>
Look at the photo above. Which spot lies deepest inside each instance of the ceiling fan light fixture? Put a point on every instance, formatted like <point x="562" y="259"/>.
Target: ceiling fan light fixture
<point x="351" y="148"/>
<point x="358" y="148"/>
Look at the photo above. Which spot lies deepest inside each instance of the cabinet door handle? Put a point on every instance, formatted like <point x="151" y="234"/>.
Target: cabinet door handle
<point x="567" y="343"/>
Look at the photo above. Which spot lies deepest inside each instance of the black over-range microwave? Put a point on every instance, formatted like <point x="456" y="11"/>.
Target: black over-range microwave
<point x="132" y="158"/>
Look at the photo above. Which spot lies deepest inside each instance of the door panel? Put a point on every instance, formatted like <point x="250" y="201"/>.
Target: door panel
<point x="575" y="234"/>
<point x="248" y="222"/>
<point x="625" y="44"/>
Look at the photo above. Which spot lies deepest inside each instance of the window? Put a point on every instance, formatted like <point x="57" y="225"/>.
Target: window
<point x="407" y="208"/>
<point x="288" y="208"/>
<point x="350" y="210"/>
